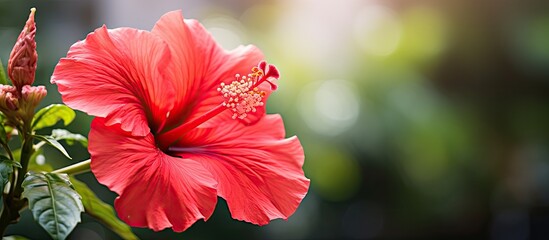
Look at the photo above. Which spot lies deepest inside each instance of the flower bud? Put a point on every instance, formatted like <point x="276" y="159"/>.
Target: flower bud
<point x="31" y="96"/>
<point x="8" y="99"/>
<point x="23" y="57"/>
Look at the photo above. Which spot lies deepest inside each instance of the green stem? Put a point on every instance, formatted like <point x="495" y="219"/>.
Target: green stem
<point x="77" y="168"/>
<point x="26" y="152"/>
<point x="13" y="202"/>
<point x="5" y="218"/>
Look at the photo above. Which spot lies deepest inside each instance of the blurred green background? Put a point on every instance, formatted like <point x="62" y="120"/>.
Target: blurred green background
<point x="420" y="119"/>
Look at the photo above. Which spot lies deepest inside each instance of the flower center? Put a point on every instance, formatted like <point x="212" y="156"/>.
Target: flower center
<point x="242" y="96"/>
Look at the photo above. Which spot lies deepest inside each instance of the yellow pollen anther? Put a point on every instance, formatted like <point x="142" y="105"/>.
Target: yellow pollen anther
<point x="239" y="97"/>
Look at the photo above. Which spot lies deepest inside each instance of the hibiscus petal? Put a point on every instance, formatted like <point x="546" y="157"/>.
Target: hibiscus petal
<point x="156" y="190"/>
<point x="200" y="65"/>
<point x="259" y="173"/>
<point x="118" y="69"/>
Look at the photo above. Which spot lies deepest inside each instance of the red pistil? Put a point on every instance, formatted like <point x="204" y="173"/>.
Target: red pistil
<point x="265" y="73"/>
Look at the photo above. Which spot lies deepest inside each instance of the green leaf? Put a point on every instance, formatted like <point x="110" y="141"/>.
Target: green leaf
<point x="3" y="78"/>
<point x="52" y="114"/>
<point x="70" y="138"/>
<point x="13" y="163"/>
<point x="54" y="203"/>
<point x="6" y="169"/>
<point x="54" y="143"/>
<point x="102" y="211"/>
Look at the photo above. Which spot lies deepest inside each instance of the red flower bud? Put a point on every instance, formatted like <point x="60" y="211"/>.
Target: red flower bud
<point x="8" y="99"/>
<point x="32" y="96"/>
<point x="22" y="62"/>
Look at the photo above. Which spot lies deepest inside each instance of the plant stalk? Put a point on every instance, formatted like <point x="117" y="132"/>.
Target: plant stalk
<point x="26" y="152"/>
<point x="13" y="202"/>
<point x="77" y="168"/>
<point x="5" y="217"/>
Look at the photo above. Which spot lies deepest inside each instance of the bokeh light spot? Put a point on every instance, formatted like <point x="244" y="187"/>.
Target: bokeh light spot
<point x="329" y="108"/>
<point x="424" y="34"/>
<point x="226" y="31"/>
<point x="377" y="30"/>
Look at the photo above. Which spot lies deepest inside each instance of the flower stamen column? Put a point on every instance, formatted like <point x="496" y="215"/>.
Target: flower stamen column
<point x="241" y="96"/>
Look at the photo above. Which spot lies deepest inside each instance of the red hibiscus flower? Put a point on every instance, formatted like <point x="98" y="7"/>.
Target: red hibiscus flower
<point x="175" y="128"/>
